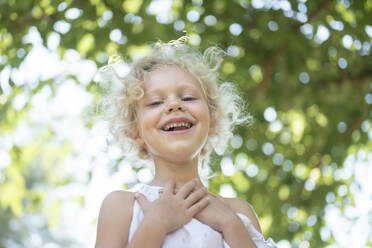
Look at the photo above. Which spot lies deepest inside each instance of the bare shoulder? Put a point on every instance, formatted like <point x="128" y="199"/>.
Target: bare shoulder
<point x="243" y="207"/>
<point x="114" y="219"/>
<point x="116" y="198"/>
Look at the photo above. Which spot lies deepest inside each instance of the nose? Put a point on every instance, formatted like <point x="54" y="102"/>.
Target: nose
<point x="174" y="106"/>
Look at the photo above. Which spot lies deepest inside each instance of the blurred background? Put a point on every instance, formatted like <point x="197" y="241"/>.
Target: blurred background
<point x="304" y="68"/>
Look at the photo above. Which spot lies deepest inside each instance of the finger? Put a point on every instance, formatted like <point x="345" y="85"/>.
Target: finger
<point x="161" y="191"/>
<point x="169" y="187"/>
<point x="197" y="207"/>
<point x="196" y="196"/>
<point x="142" y="200"/>
<point x="186" y="189"/>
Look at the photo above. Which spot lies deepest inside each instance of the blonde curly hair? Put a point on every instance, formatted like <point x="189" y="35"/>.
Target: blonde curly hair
<point x="119" y="102"/>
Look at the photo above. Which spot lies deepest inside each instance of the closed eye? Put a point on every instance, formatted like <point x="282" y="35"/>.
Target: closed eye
<point x="155" y="103"/>
<point x="189" y="98"/>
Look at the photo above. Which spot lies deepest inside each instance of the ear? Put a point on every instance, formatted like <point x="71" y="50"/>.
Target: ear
<point x="212" y="127"/>
<point x="140" y="142"/>
<point x="135" y="135"/>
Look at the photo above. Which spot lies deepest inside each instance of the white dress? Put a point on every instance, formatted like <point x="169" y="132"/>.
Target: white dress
<point x="194" y="234"/>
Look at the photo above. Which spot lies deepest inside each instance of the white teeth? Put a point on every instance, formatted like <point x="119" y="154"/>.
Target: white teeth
<point x="177" y="124"/>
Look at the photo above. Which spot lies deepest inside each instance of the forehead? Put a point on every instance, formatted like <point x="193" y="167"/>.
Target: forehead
<point x="170" y="77"/>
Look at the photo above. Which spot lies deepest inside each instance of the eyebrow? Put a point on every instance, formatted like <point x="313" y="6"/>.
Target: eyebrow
<point x="181" y="87"/>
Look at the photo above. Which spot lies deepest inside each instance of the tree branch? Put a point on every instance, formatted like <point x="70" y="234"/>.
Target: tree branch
<point x="356" y="124"/>
<point x="269" y="66"/>
<point x="324" y="6"/>
<point x="357" y="79"/>
<point x="268" y="70"/>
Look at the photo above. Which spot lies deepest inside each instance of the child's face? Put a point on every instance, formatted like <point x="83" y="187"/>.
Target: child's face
<point x="173" y="96"/>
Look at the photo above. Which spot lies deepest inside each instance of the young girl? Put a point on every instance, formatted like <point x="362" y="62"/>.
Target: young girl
<point x="171" y="110"/>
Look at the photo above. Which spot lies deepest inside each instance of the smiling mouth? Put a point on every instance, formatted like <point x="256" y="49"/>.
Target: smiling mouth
<point x="177" y="126"/>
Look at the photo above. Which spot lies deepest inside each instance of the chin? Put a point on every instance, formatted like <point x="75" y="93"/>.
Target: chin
<point x="177" y="152"/>
<point x="181" y="157"/>
<point x="179" y="160"/>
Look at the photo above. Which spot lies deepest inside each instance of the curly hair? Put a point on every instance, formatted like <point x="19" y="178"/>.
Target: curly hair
<point x="119" y="102"/>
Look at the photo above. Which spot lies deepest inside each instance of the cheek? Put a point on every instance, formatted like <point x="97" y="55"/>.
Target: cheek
<point x="203" y="112"/>
<point x="149" y="118"/>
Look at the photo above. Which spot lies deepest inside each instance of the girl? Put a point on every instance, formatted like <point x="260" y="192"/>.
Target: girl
<point x="170" y="110"/>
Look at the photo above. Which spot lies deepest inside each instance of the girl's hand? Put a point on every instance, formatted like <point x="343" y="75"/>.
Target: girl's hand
<point x="172" y="211"/>
<point x="217" y="214"/>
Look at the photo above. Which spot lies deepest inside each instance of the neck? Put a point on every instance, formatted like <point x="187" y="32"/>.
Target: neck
<point x="180" y="173"/>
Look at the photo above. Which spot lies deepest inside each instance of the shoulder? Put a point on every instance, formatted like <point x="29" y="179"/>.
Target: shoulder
<point x="243" y="207"/>
<point x="114" y="219"/>
<point x="116" y="204"/>
<point x="116" y="199"/>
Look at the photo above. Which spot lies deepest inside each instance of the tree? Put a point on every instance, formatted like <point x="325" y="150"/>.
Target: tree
<point x="304" y="67"/>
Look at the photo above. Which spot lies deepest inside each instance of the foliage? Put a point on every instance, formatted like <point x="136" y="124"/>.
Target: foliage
<point x="304" y="67"/>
